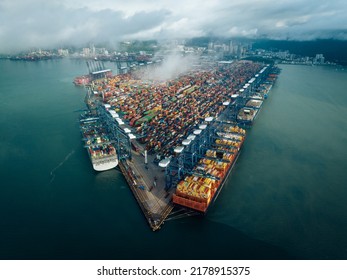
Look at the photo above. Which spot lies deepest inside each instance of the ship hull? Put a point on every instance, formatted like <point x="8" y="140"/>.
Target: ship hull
<point x="104" y="166"/>
<point x="203" y="206"/>
<point x="105" y="163"/>
<point x="101" y="151"/>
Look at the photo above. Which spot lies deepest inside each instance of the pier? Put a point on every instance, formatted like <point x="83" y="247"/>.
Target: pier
<point x="151" y="199"/>
<point x="178" y="141"/>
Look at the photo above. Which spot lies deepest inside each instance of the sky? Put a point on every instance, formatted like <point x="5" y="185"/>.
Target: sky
<point x="52" y="23"/>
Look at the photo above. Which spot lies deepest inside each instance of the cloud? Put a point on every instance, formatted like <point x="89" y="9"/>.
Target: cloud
<point x="38" y="23"/>
<point x="49" y="24"/>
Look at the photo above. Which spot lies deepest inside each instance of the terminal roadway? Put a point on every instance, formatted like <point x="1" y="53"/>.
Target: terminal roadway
<point x="147" y="182"/>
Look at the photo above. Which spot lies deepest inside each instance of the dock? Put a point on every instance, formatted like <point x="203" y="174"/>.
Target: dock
<point x="177" y="150"/>
<point x="154" y="203"/>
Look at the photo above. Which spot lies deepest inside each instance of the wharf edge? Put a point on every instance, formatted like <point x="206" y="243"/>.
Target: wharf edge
<point x="154" y="224"/>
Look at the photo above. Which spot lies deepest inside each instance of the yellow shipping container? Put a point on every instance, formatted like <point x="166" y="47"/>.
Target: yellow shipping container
<point x="208" y="180"/>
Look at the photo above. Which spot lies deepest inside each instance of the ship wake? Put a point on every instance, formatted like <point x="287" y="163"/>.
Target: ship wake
<point x="52" y="173"/>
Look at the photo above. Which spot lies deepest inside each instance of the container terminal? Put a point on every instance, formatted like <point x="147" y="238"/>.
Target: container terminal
<point x="96" y="69"/>
<point x="175" y="141"/>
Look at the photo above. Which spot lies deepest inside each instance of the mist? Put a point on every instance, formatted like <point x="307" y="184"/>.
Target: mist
<point x="174" y="65"/>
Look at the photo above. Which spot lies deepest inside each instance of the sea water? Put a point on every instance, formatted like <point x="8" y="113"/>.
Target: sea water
<point x="285" y="199"/>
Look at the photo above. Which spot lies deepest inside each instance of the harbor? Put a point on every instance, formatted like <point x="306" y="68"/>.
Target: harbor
<point x="278" y="185"/>
<point x="176" y="140"/>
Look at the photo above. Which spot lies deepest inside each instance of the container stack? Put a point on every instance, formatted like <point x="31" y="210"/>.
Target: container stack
<point x="164" y="111"/>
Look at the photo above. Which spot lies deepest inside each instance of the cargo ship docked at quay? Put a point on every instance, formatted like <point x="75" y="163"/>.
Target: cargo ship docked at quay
<point x="96" y="69"/>
<point x="197" y="192"/>
<point x="177" y="141"/>
<point x="101" y="150"/>
<point x="247" y="115"/>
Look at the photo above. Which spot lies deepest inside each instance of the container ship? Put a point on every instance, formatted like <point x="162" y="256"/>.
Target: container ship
<point x="101" y="150"/>
<point x="87" y="79"/>
<point x="82" y="80"/>
<point x="197" y="192"/>
<point x="97" y="71"/>
<point x="247" y="115"/>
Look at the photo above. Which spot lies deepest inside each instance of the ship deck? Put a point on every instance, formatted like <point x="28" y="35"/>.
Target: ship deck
<point x="250" y="116"/>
